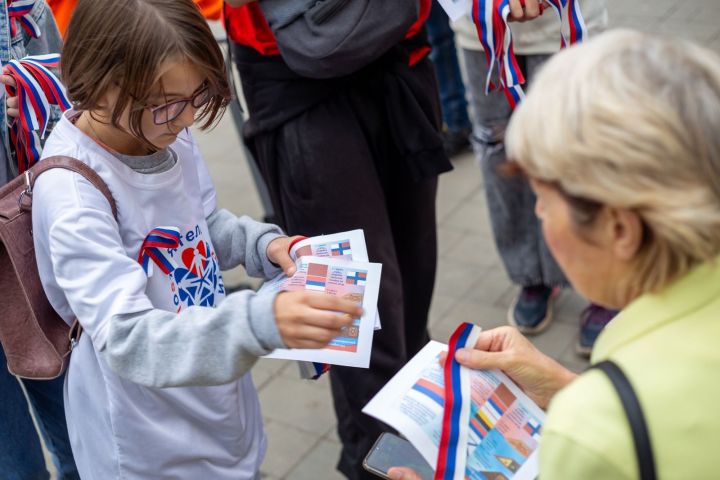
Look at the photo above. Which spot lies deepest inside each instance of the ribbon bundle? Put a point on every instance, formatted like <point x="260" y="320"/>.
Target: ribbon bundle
<point x="19" y="11"/>
<point x="150" y="250"/>
<point x="491" y="20"/>
<point x="452" y="454"/>
<point x="37" y="88"/>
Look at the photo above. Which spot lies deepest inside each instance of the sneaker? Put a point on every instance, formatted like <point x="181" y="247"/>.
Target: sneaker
<point x="456" y="142"/>
<point x="592" y="321"/>
<point x="531" y="311"/>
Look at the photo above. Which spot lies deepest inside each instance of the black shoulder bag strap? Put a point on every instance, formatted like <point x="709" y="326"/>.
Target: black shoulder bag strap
<point x="635" y="416"/>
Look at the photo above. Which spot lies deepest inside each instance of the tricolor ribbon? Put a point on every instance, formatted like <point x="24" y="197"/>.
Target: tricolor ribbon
<point x="452" y="455"/>
<point x="37" y="88"/>
<point x="491" y="20"/>
<point x="159" y="239"/>
<point x="19" y="11"/>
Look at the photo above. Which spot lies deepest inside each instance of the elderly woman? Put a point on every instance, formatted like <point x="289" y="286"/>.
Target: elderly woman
<point x="620" y="139"/>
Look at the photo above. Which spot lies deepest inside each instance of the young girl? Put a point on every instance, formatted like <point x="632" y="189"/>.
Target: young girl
<point x="139" y="73"/>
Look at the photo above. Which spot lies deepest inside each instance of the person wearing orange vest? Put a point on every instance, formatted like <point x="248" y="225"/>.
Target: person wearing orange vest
<point x="62" y="10"/>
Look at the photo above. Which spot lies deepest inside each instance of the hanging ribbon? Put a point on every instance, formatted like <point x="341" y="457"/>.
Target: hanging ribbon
<point x="491" y="20"/>
<point x="19" y="11"/>
<point x="151" y="251"/>
<point x="37" y="88"/>
<point x="452" y="455"/>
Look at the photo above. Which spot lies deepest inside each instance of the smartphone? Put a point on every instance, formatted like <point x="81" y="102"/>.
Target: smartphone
<point x="392" y="451"/>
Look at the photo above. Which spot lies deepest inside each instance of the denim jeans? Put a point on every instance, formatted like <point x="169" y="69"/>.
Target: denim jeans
<point x="511" y="202"/>
<point x="21" y="456"/>
<point x="447" y="69"/>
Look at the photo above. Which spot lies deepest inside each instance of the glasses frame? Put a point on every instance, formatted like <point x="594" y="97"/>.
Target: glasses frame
<point x="204" y="90"/>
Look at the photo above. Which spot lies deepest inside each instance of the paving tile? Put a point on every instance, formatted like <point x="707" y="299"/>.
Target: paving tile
<point x="486" y="316"/>
<point x="568" y="307"/>
<point x="266" y="369"/>
<point x="555" y="340"/>
<point x="319" y="463"/>
<point x="303" y="404"/>
<point x="439" y="307"/>
<point x="287" y="446"/>
<point x="448" y="237"/>
<point x="455" y="278"/>
<point x="491" y="286"/>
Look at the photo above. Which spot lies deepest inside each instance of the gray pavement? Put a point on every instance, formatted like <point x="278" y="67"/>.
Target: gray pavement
<point x="471" y="283"/>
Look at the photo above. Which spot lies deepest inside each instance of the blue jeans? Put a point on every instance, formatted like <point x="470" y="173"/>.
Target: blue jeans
<point x="21" y="456"/>
<point x="447" y="69"/>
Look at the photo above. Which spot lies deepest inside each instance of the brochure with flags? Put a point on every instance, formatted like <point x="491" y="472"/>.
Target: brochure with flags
<point x="501" y="427"/>
<point x="318" y="269"/>
<point x="348" y="246"/>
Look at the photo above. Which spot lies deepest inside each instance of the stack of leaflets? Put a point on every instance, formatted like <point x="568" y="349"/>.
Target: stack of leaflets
<point x="336" y="265"/>
<point x="504" y="424"/>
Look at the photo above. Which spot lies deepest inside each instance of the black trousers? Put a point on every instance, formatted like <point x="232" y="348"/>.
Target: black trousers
<point x="334" y="168"/>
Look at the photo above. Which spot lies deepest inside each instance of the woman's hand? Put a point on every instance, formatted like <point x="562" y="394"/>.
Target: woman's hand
<point x="507" y="349"/>
<point x="11" y="103"/>
<point x="310" y="320"/>
<point x="278" y="252"/>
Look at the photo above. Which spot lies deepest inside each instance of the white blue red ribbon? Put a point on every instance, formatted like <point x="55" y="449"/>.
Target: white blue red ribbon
<point x="159" y="239"/>
<point x="19" y="12"/>
<point x="37" y="88"/>
<point x="491" y="21"/>
<point x="452" y="454"/>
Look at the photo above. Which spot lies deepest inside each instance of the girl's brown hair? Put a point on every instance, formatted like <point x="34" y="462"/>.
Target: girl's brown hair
<point x="123" y="43"/>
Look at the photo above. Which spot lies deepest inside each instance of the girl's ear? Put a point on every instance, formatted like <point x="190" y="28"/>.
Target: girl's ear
<point x="627" y="233"/>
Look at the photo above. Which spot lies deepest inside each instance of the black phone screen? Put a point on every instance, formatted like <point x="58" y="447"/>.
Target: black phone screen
<point x="393" y="451"/>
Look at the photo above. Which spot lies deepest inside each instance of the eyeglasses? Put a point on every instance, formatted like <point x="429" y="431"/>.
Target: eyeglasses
<point x="168" y="112"/>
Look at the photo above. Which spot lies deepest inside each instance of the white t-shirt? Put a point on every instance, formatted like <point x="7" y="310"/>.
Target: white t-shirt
<point x="89" y="268"/>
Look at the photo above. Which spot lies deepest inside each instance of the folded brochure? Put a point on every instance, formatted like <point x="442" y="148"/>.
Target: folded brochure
<point x="504" y="423"/>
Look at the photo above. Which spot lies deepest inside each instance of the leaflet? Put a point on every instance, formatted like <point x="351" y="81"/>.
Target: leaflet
<point x="358" y="281"/>
<point x="505" y="423"/>
<point x="456" y="8"/>
<point x="348" y="246"/>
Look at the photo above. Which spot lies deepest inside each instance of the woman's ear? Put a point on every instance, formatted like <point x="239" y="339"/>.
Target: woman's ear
<point x="627" y="233"/>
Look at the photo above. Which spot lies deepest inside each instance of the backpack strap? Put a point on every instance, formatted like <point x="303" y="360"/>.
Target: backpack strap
<point x="68" y="163"/>
<point x="74" y="165"/>
<point x="633" y="411"/>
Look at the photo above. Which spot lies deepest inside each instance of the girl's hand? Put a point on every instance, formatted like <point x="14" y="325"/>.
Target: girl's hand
<point x="11" y="103"/>
<point x="310" y="320"/>
<point x="403" y="473"/>
<point x="278" y="252"/>
<point x="507" y="349"/>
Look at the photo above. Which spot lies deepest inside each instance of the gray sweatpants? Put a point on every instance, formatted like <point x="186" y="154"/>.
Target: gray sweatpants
<point x="517" y="231"/>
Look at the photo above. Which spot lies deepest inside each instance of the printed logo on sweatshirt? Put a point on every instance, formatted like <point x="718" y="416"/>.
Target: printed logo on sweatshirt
<point x="189" y="262"/>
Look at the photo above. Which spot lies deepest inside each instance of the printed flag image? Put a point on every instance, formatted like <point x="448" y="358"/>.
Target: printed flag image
<point x="532" y="427"/>
<point x="316" y="277"/>
<point x="340" y="249"/>
<point x="356" y="278"/>
<point x="495" y="406"/>
<point x="432" y="390"/>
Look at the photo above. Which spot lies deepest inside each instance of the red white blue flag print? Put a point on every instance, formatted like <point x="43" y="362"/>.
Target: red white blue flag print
<point x="37" y="88"/>
<point x="491" y="20"/>
<point x="151" y="252"/>
<point x="452" y="455"/>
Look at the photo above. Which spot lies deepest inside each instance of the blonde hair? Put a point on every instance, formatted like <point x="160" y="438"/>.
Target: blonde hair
<point x="632" y="121"/>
